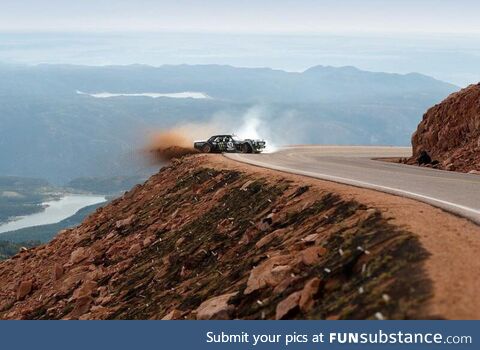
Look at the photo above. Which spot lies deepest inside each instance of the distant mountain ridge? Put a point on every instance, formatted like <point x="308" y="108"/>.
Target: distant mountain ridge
<point x="50" y="131"/>
<point x="227" y="82"/>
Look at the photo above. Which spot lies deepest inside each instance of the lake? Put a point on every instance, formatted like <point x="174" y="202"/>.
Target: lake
<point x="185" y="94"/>
<point x="56" y="211"/>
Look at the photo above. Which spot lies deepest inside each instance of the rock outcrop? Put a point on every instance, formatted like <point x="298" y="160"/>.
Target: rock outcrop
<point x="198" y="241"/>
<point x="450" y="133"/>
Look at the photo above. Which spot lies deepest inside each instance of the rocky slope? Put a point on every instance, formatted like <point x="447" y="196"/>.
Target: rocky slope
<point x="450" y="132"/>
<point x="198" y="241"/>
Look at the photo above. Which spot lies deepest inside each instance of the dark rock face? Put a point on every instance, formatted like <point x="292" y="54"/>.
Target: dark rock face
<point x="424" y="158"/>
<point x="450" y="133"/>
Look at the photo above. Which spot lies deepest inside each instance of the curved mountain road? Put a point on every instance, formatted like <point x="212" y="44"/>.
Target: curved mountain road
<point x="355" y="165"/>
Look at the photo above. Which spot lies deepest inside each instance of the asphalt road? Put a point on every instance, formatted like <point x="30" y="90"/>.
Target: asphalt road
<point x="355" y="165"/>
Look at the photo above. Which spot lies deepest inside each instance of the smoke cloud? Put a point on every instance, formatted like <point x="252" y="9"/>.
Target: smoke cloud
<point x="256" y="123"/>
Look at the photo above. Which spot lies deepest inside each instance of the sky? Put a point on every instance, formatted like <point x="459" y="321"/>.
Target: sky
<point x="440" y="38"/>
<point x="253" y="16"/>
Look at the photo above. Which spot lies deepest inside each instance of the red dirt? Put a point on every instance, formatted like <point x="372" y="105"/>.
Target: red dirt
<point x="167" y="145"/>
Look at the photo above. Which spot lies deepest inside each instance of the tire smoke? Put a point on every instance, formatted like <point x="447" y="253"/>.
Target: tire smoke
<point x="176" y="142"/>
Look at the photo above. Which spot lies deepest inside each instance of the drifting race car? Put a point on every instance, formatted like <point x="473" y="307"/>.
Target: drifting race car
<point x="229" y="143"/>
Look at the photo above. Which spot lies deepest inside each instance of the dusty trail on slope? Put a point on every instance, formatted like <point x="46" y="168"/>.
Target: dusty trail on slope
<point x="453" y="242"/>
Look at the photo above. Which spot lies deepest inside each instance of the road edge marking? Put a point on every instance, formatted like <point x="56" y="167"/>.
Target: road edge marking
<point x="451" y="207"/>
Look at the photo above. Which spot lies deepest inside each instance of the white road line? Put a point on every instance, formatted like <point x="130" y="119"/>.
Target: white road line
<point x="450" y="206"/>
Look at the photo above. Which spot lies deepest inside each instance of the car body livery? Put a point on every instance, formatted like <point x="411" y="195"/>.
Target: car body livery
<point x="229" y="143"/>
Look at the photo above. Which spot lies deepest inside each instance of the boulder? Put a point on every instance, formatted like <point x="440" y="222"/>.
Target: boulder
<point x="424" y="158"/>
<point x="216" y="308"/>
<point x="267" y="239"/>
<point x="78" y="255"/>
<point x="308" y="294"/>
<point x="311" y="238"/>
<point x="82" y="306"/>
<point x="70" y="282"/>
<point x="115" y="250"/>
<point x="287" y="306"/>
<point x="86" y="289"/>
<point x="172" y="315"/>
<point x="148" y="240"/>
<point x="312" y="255"/>
<point x="270" y="273"/>
<point x="57" y="271"/>
<point x="286" y="283"/>
<point x="24" y="289"/>
<point x="120" y="224"/>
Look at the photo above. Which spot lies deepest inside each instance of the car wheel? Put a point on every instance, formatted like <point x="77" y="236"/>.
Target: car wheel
<point x="206" y="148"/>
<point x="246" y="148"/>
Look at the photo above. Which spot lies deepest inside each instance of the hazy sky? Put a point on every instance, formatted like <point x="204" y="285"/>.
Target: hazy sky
<point x="431" y="16"/>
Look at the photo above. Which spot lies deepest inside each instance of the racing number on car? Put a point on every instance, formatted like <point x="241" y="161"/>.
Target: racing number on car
<point x="230" y="146"/>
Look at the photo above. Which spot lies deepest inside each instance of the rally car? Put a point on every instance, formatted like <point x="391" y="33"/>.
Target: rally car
<point x="229" y="143"/>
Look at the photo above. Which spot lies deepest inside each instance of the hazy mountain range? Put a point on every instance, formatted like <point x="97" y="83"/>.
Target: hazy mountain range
<point x="51" y="127"/>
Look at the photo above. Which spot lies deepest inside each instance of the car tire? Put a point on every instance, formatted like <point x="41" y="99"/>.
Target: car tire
<point x="206" y="148"/>
<point x="246" y="148"/>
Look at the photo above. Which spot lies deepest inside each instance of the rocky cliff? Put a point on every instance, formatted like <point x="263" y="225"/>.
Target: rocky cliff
<point x="204" y="241"/>
<point x="450" y="132"/>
